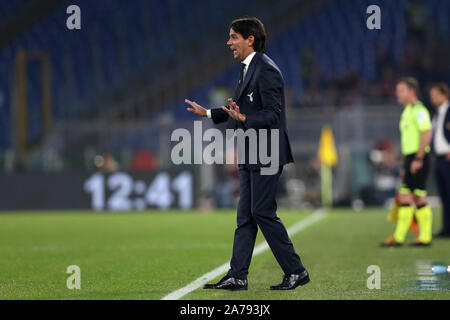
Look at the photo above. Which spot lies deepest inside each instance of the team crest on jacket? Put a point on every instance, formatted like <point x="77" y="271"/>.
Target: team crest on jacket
<point x="250" y="96"/>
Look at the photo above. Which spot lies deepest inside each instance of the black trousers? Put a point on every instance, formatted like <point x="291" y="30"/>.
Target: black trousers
<point x="257" y="208"/>
<point x="442" y="172"/>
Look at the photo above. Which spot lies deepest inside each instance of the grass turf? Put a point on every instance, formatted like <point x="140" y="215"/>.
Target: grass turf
<point x="147" y="255"/>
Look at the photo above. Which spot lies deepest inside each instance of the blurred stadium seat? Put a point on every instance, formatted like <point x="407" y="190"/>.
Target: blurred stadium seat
<point x="136" y="61"/>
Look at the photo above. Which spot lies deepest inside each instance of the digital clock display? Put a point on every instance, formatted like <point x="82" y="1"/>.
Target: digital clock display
<point x="121" y="191"/>
<point x="99" y="191"/>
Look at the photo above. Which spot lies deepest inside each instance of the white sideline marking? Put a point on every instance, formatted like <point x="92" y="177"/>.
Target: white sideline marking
<point x="299" y="226"/>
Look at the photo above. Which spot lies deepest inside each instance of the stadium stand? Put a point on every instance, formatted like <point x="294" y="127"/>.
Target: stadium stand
<point x="118" y="48"/>
<point x="123" y="52"/>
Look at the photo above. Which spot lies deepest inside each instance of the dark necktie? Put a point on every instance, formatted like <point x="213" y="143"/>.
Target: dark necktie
<point x="241" y="80"/>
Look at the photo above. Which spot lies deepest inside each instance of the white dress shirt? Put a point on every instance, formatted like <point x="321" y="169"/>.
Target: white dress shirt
<point x="441" y="146"/>
<point x="247" y="62"/>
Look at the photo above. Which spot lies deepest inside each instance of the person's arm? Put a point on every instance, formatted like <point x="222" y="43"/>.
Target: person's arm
<point x="196" y="108"/>
<point x="424" y="125"/>
<point x="402" y="170"/>
<point x="425" y="139"/>
<point x="233" y="111"/>
<point x="217" y="115"/>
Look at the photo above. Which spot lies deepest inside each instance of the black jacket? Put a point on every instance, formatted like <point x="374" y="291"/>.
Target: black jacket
<point x="446" y="128"/>
<point x="261" y="99"/>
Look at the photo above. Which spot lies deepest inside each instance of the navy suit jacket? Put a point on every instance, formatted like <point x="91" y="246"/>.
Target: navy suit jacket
<point x="447" y="125"/>
<point x="261" y="99"/>
<point x="446" y="128"/>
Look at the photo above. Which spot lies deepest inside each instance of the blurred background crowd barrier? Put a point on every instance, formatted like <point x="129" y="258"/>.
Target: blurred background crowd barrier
<point x="86" y="115"/>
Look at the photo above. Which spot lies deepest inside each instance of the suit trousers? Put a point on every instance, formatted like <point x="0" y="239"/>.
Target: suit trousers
<point x="442" y="172"/>
<point x="258" y="208"/>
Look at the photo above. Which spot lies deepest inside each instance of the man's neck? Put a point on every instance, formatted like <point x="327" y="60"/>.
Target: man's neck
<point x="441" y="106"/>
<point x="247" y="55"/>
<point x="410" y="102"/>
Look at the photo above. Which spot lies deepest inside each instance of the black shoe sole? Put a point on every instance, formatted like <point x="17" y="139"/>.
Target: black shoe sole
<point x="300" y="283"/>
<point x="420" y="245"/>
<point x="229" y="289"/>
<point x="238" y="289"/>
<point x="208" y="286"/>
<point x="397" y="245"/>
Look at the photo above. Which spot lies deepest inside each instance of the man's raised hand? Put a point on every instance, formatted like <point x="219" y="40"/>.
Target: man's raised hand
<point x="234" y="111"/>
<point x="196" y="108"/>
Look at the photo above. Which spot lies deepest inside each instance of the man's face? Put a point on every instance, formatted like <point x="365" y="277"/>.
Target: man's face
<point x="241" y="47"/>
<point x="403" y="93"/>
<point x="436" y="97"/>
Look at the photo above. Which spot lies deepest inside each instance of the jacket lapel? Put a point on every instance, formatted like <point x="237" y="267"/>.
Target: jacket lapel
<point x="249" y="74"/>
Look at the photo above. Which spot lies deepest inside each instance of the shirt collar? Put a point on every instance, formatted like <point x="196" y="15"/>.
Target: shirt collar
<point x="415" y="102"/>
<point x="249" y="59"/>
<point x="443" y="107"/>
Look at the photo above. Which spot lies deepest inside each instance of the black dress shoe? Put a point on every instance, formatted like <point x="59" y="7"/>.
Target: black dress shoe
<point x="212" y="285"/>
<point x="393" y="244"/>
<point x="390" y="242"/>
<point x="420" y="244"/>
<point x="292" y="281"/>
<point x="228" y="283"/>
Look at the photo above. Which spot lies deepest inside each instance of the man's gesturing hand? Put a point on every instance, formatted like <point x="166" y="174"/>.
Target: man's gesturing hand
<point x="234" y="111"/>
<point x="416" y="165"/>
<point x="196" y="108"/>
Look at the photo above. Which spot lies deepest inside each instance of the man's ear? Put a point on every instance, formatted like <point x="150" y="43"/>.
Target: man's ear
<point x="251" y="40"/>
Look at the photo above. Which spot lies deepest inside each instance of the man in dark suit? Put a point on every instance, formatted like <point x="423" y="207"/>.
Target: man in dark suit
<point x="440" y="146"/>
<point x="258" y="103"/>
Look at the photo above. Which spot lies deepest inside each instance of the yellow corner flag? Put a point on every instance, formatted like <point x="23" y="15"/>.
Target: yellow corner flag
<point x="328" y="158"/>
<point x="327" y="149"/>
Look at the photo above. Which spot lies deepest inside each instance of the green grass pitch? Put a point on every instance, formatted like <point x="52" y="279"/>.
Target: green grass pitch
<point x="150" y="254"/>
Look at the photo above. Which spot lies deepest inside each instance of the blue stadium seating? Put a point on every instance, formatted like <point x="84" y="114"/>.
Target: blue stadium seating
<point x="118" y="42"/>
<point x="341" y="42"/>
<point x="10" y="6"/>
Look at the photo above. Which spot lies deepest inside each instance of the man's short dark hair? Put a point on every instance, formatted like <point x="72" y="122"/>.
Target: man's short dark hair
<point x="442" y="88"/>
<point x="411" y="83"/>
<point x="251" y="27"/>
